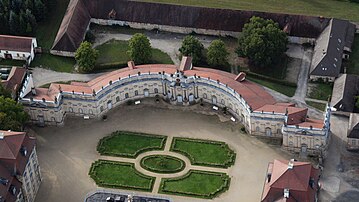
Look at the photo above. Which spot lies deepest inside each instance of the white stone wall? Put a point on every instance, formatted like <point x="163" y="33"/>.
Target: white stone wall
<point x="325" y="78"/>
<point x="353" y="144"/>
<point x="31" y="178"/>
<point x="19" y="55"/>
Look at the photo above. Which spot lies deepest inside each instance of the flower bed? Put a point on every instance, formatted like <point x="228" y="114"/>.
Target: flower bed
<point x="120" y="175"/>
<point x="205" y="152"/>
<point x="201" y="184"/>
<point x="162" y="164"/>
<point x="129" y="144"/>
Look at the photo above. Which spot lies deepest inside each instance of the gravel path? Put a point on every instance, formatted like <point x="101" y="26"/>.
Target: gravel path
<point x="164" y="41"/>
<point x="66" y="153"/>
<point x="302" y="83"/>
<point x="44" y="76"/>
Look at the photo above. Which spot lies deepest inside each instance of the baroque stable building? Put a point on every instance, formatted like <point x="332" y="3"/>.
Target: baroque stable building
<point x="247" y="102"/>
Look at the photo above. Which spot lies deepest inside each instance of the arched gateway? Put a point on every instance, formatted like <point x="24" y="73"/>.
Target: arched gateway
<point x="248" y="103"/>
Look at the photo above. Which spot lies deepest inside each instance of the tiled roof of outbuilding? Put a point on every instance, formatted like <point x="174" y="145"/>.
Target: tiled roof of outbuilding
<point x="79" y="13"/>
<point x="15" y="43"/>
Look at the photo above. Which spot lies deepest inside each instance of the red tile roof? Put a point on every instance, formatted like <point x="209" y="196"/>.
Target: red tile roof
<point x="254" y="94"/>
<point x="296" y="179"/>
<point x="15" y="43"/>
<point x="14" y="80"/>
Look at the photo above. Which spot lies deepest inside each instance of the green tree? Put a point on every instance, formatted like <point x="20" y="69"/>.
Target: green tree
<point x="262" y="41"/>
<point x="86" y="57"/>
<point x="192" y="47"/>
<point x="12" y="115"/>
<point x="14" y="22"/>
<point x="4" y="92"/>
<point x="140" y="49"/>
<point x="217" y="54"/>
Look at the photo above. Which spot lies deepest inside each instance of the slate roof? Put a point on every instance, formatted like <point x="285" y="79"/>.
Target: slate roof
<point x="79" y="13"/>
<point x="296" y="179"/>
<point x="329" y="48"/>
<point x="346" y="87"/>
<point x="353" y="129"/>
<point x="15" y="43"/>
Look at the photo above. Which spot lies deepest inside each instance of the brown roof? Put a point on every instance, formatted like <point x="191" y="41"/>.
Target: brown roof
<point x="15" y="79"/>
<point x="15" y="43"/>
<point x="10" y="147"/>
<point x="78" y="15"/>
<point x="297" y="179"/>
<point x="73" y="27"/>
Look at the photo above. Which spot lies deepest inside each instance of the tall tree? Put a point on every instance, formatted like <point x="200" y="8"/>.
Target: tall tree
<point x="262" y="41"/>
<point x="86" y="57"/>
<point x="14" y="22"/>
<point x="191" y="46"/>
<point x="12" y="115"/>
<point x="217" y="54"/>
<point x="140" y="49"/>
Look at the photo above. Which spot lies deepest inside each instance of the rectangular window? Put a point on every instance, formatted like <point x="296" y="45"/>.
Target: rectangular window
<point x="354" y="142"/>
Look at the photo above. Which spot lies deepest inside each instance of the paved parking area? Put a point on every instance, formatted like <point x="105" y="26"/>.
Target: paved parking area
<point x="66" y="153"/>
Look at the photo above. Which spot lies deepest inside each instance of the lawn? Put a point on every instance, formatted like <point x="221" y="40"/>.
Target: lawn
<point x="320" y="91"/>
<point x="128" y="144"/>
<point x="46" y="31"/>
<point x="329" y="8"/>
<point x="120" y="175"/>
<point x="354" y="57"/>
<point x="317" y="105"/>
<point x="284" y="89"/>
<point x="277" y="70"/>
<point x="204" y="152"/>
<point x="197" y="184"/>
<point x="162" y="164"/>
<point x="114" y="54"/>
<point x="56" y="63"/>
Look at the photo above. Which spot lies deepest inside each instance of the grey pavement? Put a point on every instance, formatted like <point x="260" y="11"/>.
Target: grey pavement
<point x="44" y="76"/>
<point x="66" y="153"/>
<point x="302" y="83"/>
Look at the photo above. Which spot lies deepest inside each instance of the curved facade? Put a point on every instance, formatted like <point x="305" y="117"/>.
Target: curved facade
<point x="249" y="103"/>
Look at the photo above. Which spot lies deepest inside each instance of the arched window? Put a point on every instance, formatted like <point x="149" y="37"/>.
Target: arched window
<point x="136" y="92"/>
<point x="223" y="102"/>
<point x="156" y="90"/>
<point x="117" y="99"/>
<point x="257" y="129"/>
<point x="90" y="111"/>
<point x="126" y="95"/>
<point x="101" y="108"/>
<point x="268" y="131"/>
<point x="204" y="95"/>
<point x="81" y="111"/>
<point x="53" y="119"/>
<point x="71" y="110"/>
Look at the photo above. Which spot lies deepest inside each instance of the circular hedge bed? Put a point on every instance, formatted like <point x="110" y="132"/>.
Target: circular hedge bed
<point x="162" y="164"/>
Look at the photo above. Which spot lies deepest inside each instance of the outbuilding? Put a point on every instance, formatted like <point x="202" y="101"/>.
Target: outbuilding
<point x="17" y="48"/>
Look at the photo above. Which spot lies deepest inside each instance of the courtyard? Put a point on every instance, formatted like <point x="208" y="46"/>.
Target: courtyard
<point x="66" y="153"/>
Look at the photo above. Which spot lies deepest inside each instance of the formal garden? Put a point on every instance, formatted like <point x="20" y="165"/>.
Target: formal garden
<point x="163" y="164"/>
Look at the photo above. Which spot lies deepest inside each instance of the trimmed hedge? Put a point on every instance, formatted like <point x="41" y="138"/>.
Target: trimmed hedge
<point x="224" y="187"/>
<point x="231" y="155"/>
<point x="158" y="169"/>
<point x="101" y="182"/>
<point x="103" y="149"/>
<point x="262" y="77"/>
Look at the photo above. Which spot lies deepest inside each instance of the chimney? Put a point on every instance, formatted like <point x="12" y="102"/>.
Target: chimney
<point x="33" y="91"/>
<point x="291" y="164"/>
<point x="286" y="193"/>
<point x="240" y="77"/>
<point x="131" y="64"/>
<point x="186" y="63"/>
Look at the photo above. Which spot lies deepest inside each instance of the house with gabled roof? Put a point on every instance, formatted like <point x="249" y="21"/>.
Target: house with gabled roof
<point x="17" y="48"/>
<point x="332" y="46"/>
<point x="20" y="176"/>
<point x="291" y="181"/>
